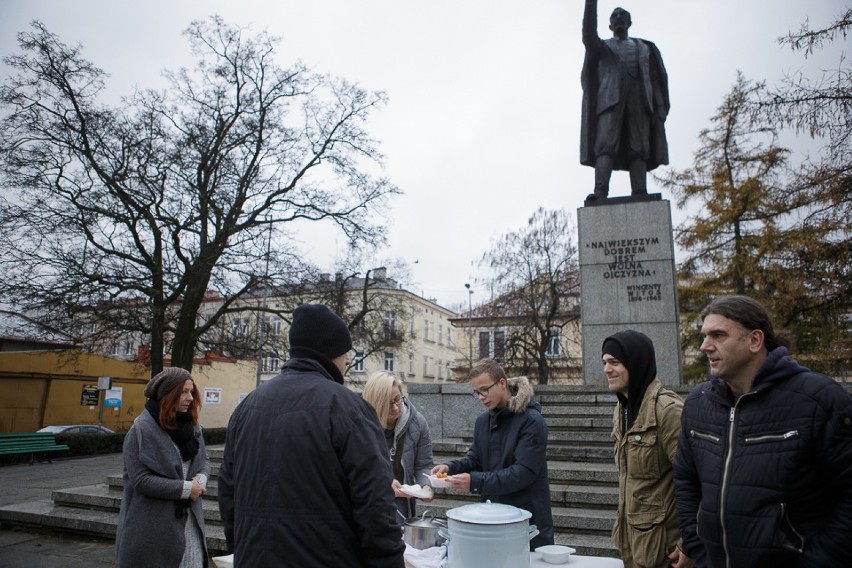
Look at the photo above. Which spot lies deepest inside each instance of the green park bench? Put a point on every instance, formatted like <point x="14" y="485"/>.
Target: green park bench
<point x="32" y="443"/>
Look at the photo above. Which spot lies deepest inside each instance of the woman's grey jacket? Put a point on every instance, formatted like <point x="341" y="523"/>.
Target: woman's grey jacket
<point x="416" y="452"/>
<point x="149" y="532"/>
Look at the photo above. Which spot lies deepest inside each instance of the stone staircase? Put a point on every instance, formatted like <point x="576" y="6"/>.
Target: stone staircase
<point x="583" y="481"/>
<point x="582" y="473"/>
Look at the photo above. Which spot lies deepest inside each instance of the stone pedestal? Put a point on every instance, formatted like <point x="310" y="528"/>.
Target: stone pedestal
<point x="628" y="280"/>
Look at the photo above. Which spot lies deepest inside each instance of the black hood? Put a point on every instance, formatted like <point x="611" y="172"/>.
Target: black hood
<point x="635" y="350"/>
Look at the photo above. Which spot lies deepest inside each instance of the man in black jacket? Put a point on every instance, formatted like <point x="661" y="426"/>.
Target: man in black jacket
<point x="763" y="473"/>
<point x="507" y="462"/>
<point x="305" y="476"/>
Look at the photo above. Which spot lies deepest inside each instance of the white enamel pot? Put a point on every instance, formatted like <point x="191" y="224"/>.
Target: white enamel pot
<point x="489" y="535"/>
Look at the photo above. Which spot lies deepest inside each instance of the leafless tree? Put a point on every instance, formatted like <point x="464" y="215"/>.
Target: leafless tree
<point x="128" y="218"/>
<point x="535" y="273"/>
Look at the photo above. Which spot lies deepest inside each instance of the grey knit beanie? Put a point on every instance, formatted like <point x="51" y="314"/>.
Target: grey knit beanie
<point x="166" y="380"/>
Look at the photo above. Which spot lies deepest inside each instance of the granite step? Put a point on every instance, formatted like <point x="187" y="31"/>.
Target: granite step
<point x="47" y="515"/>
<point x="587" y="531"/>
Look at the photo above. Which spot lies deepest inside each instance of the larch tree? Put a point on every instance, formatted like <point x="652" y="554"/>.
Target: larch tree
<point x="128" y="218"/>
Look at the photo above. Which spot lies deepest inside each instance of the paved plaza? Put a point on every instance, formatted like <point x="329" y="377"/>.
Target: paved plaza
<point x="23" y="482"/>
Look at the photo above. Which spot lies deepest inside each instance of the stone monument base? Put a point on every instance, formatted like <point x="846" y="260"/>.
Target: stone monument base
<point x="628" y="280"/>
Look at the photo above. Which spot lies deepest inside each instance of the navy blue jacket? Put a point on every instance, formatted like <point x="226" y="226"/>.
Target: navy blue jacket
<point x="305" y="478"/>
<point x="766" y="480"/>
<point x="507" y="461"/>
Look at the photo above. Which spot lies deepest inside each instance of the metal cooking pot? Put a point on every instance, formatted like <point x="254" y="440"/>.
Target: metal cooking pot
<point x="489" y="535"/>
<point x="422" y="533"/>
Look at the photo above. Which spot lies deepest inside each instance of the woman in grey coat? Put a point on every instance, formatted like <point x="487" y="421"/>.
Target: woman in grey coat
<point x="407" y="435"/>
<point x="161" y="523"/>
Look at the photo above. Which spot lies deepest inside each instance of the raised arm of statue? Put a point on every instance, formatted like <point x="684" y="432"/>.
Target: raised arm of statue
<point x="590" y="25"/>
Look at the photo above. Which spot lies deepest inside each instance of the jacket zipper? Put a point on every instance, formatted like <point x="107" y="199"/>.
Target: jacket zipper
<point x="792" y="528"/>
<point x="726" y="477"/>
<point x="704" y="436"/>
<point x="767" y="437"/>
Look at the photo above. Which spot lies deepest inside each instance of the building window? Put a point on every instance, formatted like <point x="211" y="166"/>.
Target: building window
<point x="389" y="361"/>
<point x="276" y="326"/>
<point x="129" y="347"/>
<point x="390" y="325"/>
<point x="411" y="326"/>
<point x="440" y="369"/>
<point x="499" y="345"/>
<point x="410" y="362"/>
<point x="449" y="370"/>
<point x="358" y="364"/>
<point x="440" y="334"/>
<point x="240" y="327"/>
<point x="554" y="342"/>
<point x="484" y="347"/>
<point x="425" y="365"/>
<point x="270" y="363"/>
<point x="450" y="337"/>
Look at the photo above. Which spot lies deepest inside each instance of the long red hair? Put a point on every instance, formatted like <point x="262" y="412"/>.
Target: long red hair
<point x="169" y="404"/>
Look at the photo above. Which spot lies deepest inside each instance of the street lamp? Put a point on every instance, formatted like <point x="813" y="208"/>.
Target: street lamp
<point x="469" y="327"/>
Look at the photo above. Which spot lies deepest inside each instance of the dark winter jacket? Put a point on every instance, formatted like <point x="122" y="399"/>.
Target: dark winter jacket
<point x="305" y="478"/>
<point x="507" y="461"/>
<point x="767" y="480"/>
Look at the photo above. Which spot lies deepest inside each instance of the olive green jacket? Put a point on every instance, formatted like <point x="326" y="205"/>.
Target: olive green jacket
<point x="646" y="526"/>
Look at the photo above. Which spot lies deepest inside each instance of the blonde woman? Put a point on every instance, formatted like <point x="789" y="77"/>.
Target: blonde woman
<point x="409" y="441"/>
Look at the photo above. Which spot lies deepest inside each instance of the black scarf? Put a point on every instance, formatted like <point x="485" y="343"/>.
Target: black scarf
<point x="183" y="436"/>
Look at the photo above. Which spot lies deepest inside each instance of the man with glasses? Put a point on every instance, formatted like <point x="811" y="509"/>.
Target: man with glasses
<point x="763" y="473"/>
<point x="507" y="462"/>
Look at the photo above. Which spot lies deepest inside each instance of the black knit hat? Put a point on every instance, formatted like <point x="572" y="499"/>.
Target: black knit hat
<point x="166" y="380"/>
<point x="316" y="330"/>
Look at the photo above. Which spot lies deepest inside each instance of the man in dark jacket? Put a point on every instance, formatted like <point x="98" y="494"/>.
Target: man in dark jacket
<point x="763" y="474"/>
<point x="305" y="476"/>
<point x="507" y="462"/>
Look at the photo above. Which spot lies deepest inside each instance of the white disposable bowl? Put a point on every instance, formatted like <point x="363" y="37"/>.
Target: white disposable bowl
<point x="437" y="482"/>
<point x="555" y="553"/>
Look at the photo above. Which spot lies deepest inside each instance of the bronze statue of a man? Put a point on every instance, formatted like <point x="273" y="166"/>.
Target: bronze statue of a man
<point x="625" y="103"/>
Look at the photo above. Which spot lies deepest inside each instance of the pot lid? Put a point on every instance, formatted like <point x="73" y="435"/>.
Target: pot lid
<point x="488" y="513"/>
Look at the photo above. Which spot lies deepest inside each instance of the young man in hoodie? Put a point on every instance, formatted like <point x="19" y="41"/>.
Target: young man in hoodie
<point x="507" y="462"/>
<point x="645" y="426"/>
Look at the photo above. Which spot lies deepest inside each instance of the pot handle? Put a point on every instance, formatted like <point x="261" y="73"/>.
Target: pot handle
<point x="444" y="533"/>
<point x="533" y="531"/>
<point x="439" y="522"/>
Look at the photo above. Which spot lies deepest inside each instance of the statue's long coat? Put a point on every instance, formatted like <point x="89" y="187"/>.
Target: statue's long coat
<point x="602" y="61"/>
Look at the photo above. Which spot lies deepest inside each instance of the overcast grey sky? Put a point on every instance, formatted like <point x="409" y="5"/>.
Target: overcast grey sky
<point x="484" y="114"/>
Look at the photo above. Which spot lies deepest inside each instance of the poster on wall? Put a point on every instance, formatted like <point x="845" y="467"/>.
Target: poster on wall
<point x="113" y="397"/>
<point x="89" y="397"/>
<point x="212" y="396"/>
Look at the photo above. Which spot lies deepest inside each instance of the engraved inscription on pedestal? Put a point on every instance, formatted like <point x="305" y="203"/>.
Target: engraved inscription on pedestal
<point x="628" y="280"/>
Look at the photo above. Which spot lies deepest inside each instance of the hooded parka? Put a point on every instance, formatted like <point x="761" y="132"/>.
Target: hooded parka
<point x="507" y="461"/>
<point x="645" y="426"/>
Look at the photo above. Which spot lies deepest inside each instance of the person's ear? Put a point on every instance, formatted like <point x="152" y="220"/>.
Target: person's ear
<point x="756" y="340"/>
